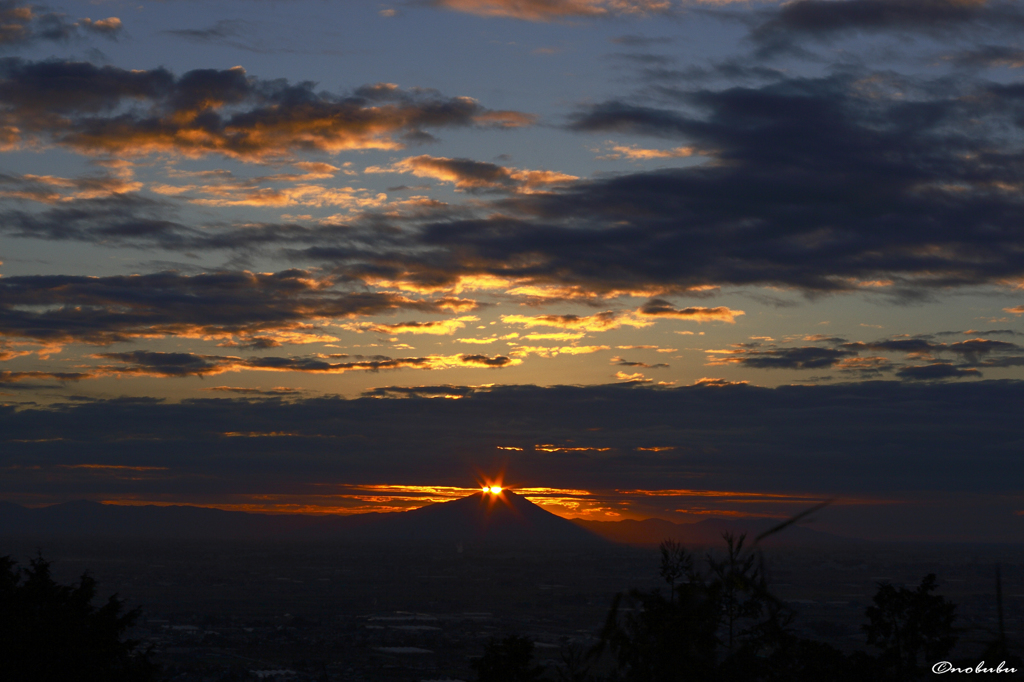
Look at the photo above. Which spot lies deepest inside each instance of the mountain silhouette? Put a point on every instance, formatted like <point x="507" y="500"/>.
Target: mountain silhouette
<point x="508" y="519"/>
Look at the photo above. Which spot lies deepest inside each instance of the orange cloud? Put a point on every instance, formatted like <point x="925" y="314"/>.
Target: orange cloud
<point x="550" y="352"/>
<point x="442" y="327"/>
<point x="658" y="307"/>
<point x="155" y="364"/>
<point x="548" y="10"/>
<point x="634" y="153"/>
<point x="51" y="189"/>
<point x="597" y="322"/>
<point x="107" y="110"/>
<point x="467" y="174"/>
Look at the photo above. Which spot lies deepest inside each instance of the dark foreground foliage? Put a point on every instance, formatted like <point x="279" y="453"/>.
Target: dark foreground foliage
<point x="507" y="660"/>
<point x="719" y="622"/>
<point x="51" y="632"/>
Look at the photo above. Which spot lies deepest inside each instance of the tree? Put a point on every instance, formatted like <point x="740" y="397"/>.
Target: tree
<point x="51" y="632"/>
<point x="507" y="660"/>
<point x="908" y="625"/>
<point x="675" y="563"/>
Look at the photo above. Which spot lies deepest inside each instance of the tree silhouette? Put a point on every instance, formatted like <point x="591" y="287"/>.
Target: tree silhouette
<point x="507" y="660"/>
<point x="675" y="563"/>
<point x="910" y="624"/>
<point x="51" y="632"/>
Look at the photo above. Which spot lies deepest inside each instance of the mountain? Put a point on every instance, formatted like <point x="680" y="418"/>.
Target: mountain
<point x="708" y="533"/>
<point x="505" y="519"/>
<point x="508" y="519"/>
<point x="93" y="519"/>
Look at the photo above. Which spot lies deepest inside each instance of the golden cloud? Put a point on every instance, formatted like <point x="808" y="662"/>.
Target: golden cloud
<point x="598" y="322"/>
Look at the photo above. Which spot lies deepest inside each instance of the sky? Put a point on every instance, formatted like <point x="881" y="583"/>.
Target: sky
<point x="634" y="258"/>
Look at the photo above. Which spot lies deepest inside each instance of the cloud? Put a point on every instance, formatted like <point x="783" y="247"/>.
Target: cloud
<point x="108" y="110"/>
<point x="439" y="327"/>
<point x="827" y="18"/>
<point x="846" y="357"/>
<point x="520" y="351"/>
<point x="225" y="28"/>
<point x="597" y="322"/>
<point x="549" y="10"/>
<point x="820" y="439"/>
<point x="469" y="175"/>
<point x="634" y="153"/>
<point x="658" y="307"/>
<point x="988" y="56"/>
<point x="635" y="378"/>
<point x="22" y="25"/>
<point x="50" y="189"/>
<point x="938" y="370"/>
<point x="155" y="364"/>
<point x="622" y="362"/>
<point x="12" y="377"/>
<point x="277" y="392"/>
<point x="284" y="306"/>
<point x="920" y="348"/>
<point x="808" y="182"/>
<point x="807" y="357"/>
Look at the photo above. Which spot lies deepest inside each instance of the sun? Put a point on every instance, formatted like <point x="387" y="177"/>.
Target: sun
<point x="492" y="489"/>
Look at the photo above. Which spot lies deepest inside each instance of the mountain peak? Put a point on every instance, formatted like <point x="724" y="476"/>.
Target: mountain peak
<point x="502" y="518"/>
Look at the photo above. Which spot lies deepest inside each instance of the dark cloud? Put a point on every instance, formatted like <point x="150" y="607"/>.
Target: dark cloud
<point x="24" y="24"/>
<point x="225" y="28"/>
<point x="8" y="377"/>
<point x="938" y="370"/>
<point x="807" y="357"/>
<point x="1008" y="361"/>
<point x="815" y="184"/>
<point x="977" y="332"/>
<point x="277" y="392"/>
<point x="50" y="189"/>
<point x="828" y="18"/>
<point x="659" y="307"/>
<point x="884" y="440"/>
<point x="909" y="346"/>
<point x="987" y="56"/>
<point x="166" y="364"/>
<point x="122" y="219"/>
<point x="846" y="357"/>
<point x="971" y="349"/>
<point x="103" y="310"/>
<point x="148" y="363"/>
<point x="445" y="391"/>
<point x="621" y="362"/>
<point x="110" y="110"/>
<point x="476" y="176"/>
<point x="821" y="184"/>
<point x="974" y="348"/>
<point x="133" y="220"/>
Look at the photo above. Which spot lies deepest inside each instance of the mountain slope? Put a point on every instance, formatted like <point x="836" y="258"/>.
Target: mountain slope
<point x="504" y="519"/>
<point x="507" y="518"/>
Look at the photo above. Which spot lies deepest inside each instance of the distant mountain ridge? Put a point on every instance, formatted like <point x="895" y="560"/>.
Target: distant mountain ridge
<point x="512" y="519"/>
<point x="478" y="518"/>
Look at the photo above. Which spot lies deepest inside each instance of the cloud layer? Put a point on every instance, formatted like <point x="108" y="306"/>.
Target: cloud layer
<point x="106" y="110"/>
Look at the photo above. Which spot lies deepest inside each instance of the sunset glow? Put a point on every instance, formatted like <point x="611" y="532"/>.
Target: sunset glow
<point x="633" y="258"/>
